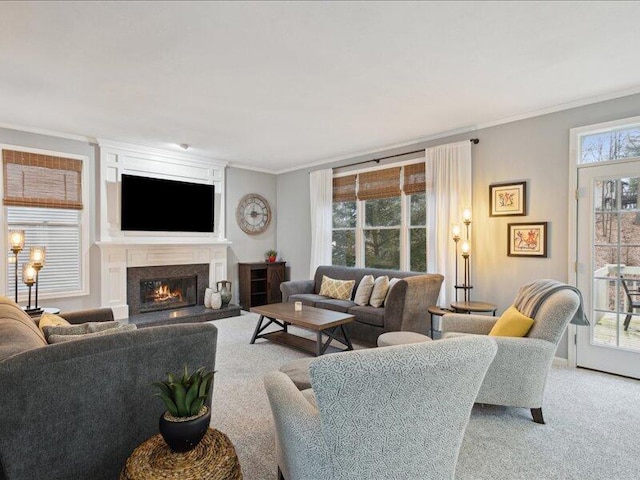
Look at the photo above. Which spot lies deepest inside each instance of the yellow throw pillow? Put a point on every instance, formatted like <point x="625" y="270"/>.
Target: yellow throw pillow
<point x="511" y="324"/>
<point x="338" y="289"/>
<point x="48" y="319"/>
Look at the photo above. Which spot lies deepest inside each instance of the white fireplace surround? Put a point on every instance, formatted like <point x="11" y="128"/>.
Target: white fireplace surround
<point x="120" y="250"/>
<point x="116" y="258"/>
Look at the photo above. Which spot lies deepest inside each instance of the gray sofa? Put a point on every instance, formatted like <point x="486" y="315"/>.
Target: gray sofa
<point x="405" y="308"/>
<point x="78" y="409"/>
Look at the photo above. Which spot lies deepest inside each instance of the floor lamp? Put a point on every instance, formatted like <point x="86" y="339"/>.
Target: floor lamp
<point x="16" y="242"/>
<point x="36" y="257"/>
<point x="465" y="247"/>
<point x="29" y="278"/>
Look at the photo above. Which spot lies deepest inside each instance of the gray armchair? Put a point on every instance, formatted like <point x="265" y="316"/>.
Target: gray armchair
<point x="396" y="412"/>
<point x="518" y="374"/>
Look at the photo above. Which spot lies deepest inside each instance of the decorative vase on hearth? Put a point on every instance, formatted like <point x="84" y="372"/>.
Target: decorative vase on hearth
<point x="225" y="292"/>
<point x="216" y="300"/>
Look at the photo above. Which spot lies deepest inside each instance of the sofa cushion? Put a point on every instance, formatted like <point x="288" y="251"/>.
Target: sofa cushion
<point x="58" y="338"/>
<point x="339" y="289"/>
<point x="336" y="305"/>
<point x="380" y="288"/>
<point x="79" y="329"/>
<point x="369" y="315"/>
<point x="18" y="331"/>
<point x="392" y="282"/>
<point x="298" y="371"/>
<point x="363" y="292"/>
<point x="309" y="299"/>
<point x="49" y="320"/>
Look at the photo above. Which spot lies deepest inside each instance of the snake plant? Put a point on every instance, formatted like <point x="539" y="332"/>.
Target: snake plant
<point x="184" y="395"/>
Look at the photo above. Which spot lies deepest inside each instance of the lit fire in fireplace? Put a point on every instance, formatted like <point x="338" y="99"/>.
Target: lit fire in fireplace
<point x="163" y="294"/>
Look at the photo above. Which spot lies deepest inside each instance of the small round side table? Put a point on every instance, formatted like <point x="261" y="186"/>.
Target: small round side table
<point x="213" y="459"/>
<point x="480" y="307"/>
<point x="439" y="311"/>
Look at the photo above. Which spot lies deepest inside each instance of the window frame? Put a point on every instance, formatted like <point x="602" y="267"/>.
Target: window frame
<point x="84" y="223"/>
<point x="405" y="220"/>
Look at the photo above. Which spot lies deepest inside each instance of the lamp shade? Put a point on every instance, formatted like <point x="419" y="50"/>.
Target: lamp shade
<point x="466" y="215"/>
<point x="455" y="231"/>
<point x="29" y="274"/>
<point x="37" y="256"/>
<point x="16" y="240"/>
<point x="466" y="248"/>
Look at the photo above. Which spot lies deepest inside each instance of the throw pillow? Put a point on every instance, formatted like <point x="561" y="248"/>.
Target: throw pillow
<point x="57" y="338"/>
<point x="79" y="329"/>
<point x="380" y="287"/>
<point x="392" y="282"/>
<point x="50" y="320"/>
<point x="338" y="289"/>
<point x="363" y="292"/>
<point x="511" y="324"/>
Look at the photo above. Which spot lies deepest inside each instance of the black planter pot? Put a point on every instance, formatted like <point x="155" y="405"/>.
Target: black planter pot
<point x="184" y="436"/>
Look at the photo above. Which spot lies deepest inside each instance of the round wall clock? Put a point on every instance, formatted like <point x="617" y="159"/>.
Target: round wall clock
<point x="253" y="214"/>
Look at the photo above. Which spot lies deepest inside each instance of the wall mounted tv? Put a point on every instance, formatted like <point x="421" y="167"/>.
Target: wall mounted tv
<point x="158" y="205"/>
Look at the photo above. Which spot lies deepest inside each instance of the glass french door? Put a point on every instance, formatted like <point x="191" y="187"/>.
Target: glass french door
<point x="608" y="253"/>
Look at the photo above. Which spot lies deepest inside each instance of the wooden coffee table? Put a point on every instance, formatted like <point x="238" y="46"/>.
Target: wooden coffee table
<point x="319" y="320"/>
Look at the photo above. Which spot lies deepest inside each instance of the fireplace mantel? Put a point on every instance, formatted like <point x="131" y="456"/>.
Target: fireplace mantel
<point x="116" y="257"/>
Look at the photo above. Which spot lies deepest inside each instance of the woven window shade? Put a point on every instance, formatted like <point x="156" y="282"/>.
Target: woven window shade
<point x="379" y="184"/>
<point x="344" y="189"/>
<point x="34" y="180"/>
<point x="414" y="179"/>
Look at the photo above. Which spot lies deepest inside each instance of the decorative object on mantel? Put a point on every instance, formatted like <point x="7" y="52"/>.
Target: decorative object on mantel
<point x="187" y="418"/>
<point x="271" y="255"/>
<point x="225" y="292"/>
<point x="466" y="252"/>
<point x="16" y="243"/>
<point x="253" y="214"/>
<point x="508" y="199"/>
<point x="527" y="239"/>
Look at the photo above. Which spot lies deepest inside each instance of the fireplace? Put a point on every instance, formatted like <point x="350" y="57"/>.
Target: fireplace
<point x="166" y="293"/>
<point x="166" y="287"/>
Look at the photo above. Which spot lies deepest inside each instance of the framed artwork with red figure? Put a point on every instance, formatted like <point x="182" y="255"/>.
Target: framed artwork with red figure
<point x="508" y="199"/>
<point x="527" y="239"/>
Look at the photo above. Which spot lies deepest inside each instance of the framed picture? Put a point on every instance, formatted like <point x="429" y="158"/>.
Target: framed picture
<point x="527" y="240"/>
<point x="508" y="199"/>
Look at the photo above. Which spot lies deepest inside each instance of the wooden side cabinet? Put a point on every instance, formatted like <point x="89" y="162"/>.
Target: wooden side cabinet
<point x="260" y="283"/>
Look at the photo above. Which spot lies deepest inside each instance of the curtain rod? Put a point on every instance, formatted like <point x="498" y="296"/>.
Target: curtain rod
<point x="475" y="141"/>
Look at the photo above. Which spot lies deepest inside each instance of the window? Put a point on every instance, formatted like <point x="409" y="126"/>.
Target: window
<point x="613" y="144"/>
<point x="42" y="195"/>
<point x="379" y="219"/>
<point x="344" y="221"/>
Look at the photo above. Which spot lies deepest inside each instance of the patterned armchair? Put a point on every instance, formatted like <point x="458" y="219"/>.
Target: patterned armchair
<point x="518" y="375"/>
<point x="395" y="412"/>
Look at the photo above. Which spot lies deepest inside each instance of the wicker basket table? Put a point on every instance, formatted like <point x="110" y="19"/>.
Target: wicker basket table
<point x="213" y="459"/>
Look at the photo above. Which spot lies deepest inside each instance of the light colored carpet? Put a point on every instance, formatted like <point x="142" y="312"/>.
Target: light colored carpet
<point x="592" y="430"/>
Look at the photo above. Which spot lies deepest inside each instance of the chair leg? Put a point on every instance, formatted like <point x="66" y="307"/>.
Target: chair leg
<point x="280" y="476"/>
<point x="536" y="413"/>
<point x="627" y="320"/>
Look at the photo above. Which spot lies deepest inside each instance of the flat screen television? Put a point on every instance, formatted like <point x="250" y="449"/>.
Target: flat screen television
<point x="158" y="205"/>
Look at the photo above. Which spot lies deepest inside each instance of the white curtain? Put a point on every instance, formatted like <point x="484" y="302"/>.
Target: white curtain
<point x="321" y="191"/>
<point x="448" y="177"/>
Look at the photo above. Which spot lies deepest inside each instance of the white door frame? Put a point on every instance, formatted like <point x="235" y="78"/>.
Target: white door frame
<point x="574" y="151"/>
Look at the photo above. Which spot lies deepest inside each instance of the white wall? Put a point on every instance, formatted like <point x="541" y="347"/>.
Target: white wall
<point x="535" y="150"/>
<point x="249" y="248"/>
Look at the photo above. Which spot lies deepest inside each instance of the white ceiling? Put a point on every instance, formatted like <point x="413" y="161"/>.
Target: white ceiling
<point x="275" y="85"/>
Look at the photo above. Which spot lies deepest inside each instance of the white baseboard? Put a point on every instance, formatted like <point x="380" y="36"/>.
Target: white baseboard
<point x="560" y="362"/>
